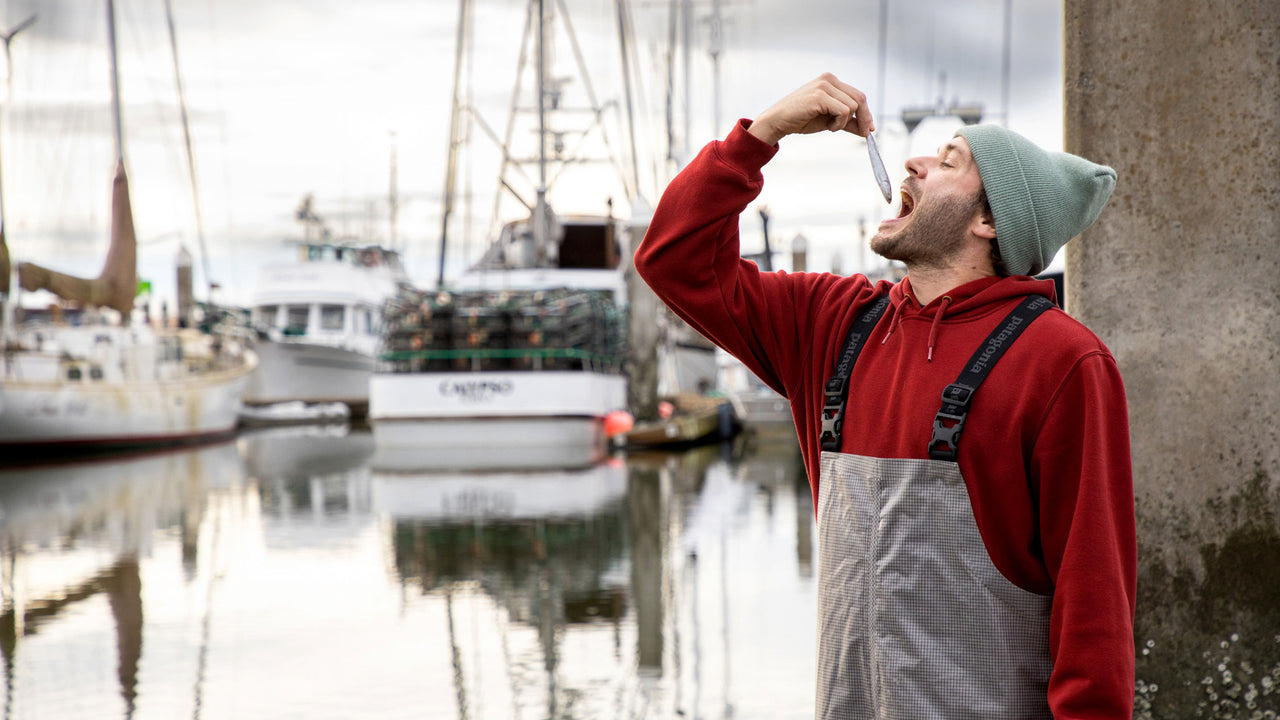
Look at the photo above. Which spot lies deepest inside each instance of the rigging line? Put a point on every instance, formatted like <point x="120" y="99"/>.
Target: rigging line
<point x="591" y="96"/>
<point x="191" y="156"/>
<point x="507" y="159"/>
<point x="495" y="220"/>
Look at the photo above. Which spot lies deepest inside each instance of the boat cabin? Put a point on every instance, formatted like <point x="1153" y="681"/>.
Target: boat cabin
<point x="332" y="295"/>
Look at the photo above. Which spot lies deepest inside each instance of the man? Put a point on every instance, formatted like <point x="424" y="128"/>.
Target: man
<point x="982" y="573"/>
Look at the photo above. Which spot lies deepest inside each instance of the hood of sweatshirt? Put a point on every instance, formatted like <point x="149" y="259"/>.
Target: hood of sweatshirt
<point x="969" y="301"/>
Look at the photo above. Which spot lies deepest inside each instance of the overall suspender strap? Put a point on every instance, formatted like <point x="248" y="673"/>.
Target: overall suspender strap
<point x="835" y="394"/>
<point x="949" y="421"/>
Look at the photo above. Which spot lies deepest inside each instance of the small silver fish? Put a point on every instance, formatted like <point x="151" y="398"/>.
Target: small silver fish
<point x="877" y="166"/>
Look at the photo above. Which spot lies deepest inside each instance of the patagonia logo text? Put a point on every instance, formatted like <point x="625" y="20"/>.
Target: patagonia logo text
<point x="995" y="344"/>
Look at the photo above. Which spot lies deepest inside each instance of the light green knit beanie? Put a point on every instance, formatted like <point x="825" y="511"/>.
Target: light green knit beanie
<point x="1039" y="199"/>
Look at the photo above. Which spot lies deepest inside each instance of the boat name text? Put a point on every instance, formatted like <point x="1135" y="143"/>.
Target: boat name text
<point x="476" y="390"/>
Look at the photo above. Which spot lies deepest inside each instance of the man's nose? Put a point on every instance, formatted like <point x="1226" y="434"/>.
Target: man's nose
<point x="919" y="166"/>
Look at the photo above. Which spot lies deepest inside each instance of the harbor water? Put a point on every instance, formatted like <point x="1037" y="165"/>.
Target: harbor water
<point x="285" y="575"/>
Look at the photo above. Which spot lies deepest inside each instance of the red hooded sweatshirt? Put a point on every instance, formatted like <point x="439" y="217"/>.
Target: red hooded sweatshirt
<point x="1045" y="448"/>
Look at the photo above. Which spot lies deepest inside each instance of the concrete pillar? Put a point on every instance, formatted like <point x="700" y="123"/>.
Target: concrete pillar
<point x="1181" y="278"/>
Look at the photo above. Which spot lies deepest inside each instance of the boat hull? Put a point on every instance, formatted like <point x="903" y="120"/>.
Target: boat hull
<point x="37" y="415"/>
<point x="491" y="420"/>
<point x="289" y="372"/>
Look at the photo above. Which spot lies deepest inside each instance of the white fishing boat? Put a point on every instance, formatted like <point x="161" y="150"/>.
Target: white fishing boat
<point x="517" y="361"/>
<point x="320" y="324"/>
<point x="96" y="377"/>
<point x="516" y="378"/>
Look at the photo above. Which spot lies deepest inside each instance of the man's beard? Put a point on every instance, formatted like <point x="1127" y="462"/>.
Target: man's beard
<point x="932" y="236"/>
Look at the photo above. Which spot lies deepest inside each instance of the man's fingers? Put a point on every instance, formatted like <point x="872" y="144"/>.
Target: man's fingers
<point x="856" y="103"/>
<point x="838" y="111"/>
<point x="825" y="103"/>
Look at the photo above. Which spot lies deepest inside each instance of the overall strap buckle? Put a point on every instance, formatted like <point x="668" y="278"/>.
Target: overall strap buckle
<point x="957" y="397"/>
<point x="835" y="394"/>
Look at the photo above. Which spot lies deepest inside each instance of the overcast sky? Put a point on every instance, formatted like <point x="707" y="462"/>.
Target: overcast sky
<point x="288" y="97"/>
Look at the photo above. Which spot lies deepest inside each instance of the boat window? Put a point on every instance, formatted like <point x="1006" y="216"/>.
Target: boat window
<point x="296" y="319"/>
<point x="589" y="245"/>
<point x="74" y="372"/>
<point x="332" y="317"/>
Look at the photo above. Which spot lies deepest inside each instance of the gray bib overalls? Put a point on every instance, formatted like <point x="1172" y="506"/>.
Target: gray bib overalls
<point x="914" y="620"/>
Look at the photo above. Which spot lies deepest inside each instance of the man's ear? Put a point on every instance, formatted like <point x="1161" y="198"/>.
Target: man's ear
<point x="983" y="225"/>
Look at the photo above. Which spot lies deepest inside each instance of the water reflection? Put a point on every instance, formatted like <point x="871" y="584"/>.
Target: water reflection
<point x="533" y="561"/>
<point x="70" y="536"/>
<point x="289" y="574"/>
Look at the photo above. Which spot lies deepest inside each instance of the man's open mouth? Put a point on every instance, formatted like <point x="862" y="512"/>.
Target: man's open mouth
<point x="908" y="204"/>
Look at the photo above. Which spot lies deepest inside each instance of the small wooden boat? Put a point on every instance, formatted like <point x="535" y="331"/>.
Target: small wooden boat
<point x="695" y="419"/>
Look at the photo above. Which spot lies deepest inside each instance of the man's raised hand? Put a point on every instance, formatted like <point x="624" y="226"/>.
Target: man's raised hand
<point x="825" y="103"/>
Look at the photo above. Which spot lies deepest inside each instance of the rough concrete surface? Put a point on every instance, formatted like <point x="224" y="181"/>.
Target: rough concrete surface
<point x="1181" y="278"/>
<point x="1181" y="274"/>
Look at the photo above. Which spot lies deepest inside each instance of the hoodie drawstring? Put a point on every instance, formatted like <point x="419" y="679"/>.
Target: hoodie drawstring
<point x="937" y="322"/>
<point x="893" y="324"/>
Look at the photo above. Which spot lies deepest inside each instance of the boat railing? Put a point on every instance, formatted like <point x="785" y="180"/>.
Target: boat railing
<point x="548" y="329"/>
<point x="482" y="359"/>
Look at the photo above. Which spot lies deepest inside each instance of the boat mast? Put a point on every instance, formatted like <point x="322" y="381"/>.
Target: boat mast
<point x="624" y="32"/>
<point x="6" y="306"/>
<point x="115" y="82"/>
<point x="687" y="52"/>
<point x="451" y="165"/>
<point x="8" y="98"/>
<point x="191" y="156"/>
<point x="541" y="231"/>
<point x="670" y="90"/>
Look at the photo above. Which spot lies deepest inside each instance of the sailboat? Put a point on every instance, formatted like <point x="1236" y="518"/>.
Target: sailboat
<point x="516" y="362"/>
<point x="86" y="375"/>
